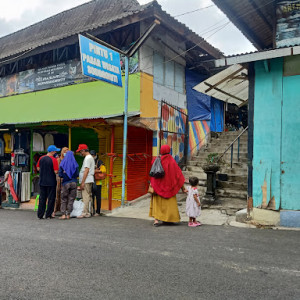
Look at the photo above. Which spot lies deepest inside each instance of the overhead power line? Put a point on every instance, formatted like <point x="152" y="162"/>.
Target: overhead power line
<point x="192" y="11"/>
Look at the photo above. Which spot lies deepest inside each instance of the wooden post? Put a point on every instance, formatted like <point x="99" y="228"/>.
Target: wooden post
<point x="70" y="138"/>
<point x="111" y="165"/>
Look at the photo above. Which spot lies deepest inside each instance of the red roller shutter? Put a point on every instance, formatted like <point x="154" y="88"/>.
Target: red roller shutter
<point x="138" y="167"/>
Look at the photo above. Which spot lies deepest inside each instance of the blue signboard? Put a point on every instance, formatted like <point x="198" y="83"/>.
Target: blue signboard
<point x="100" y="62"/>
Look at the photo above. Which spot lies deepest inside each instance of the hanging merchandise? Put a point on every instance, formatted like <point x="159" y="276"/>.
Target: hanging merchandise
<point x="20" y="158"/>
<point x="12" y="159"/>
<point x="12" y="142"/>
<point x="1" y="147"/>
<point x="11" y="184"/>
<point x="49" y="140"/>
<point x="7" y="140"/>
<point x="25" y="190"/>
<point x="38" y="142"/>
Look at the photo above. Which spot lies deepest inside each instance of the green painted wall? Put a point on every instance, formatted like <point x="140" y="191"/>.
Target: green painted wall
<point x="81" y="101"/>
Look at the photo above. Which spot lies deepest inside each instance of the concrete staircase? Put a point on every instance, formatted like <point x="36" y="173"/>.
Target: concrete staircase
<point x="234" y="190"/>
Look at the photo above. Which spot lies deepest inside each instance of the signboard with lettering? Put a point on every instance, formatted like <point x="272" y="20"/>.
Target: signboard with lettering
<point x="288" y="20"/>
<point x="100" y="62"/>
<point x="53" y="76"/>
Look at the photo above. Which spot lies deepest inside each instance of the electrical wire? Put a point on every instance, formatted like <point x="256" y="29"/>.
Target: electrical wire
<point x="192" y="11"/>
<point x="219" y="28"/>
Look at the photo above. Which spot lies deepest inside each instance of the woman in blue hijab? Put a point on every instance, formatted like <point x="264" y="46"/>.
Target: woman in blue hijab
<point x="68" y="171"/>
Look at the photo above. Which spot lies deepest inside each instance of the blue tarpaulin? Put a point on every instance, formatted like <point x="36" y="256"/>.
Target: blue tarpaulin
<point x="217" y="115"/>
<point x="202" y="107"/>
<point x="198" y="104"/>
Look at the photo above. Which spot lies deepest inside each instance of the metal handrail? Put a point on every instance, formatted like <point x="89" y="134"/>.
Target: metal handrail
<point x="231" y="146"/>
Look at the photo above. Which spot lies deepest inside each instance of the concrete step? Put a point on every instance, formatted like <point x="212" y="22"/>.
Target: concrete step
<point x="243" y="140"/>
<point x="223" y="149"/>
<point x="241" y="186"/>
<point x="232" y="133"/>
<point x="226" y="156"/>
<point x="230" y="138"/>
<point x="200" y="175"/>
<point x="231" y="193"/>
<point x="236" y="170"/>
<point x="225" y="145"/>
<point x="237" y="178"/>
<point x="199" y="161"/>
<point x="196" y="169"/>
<point x="236" y="167"/>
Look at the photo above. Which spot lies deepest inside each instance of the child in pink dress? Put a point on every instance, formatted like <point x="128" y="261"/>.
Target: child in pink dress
<point x="193" y="205"/>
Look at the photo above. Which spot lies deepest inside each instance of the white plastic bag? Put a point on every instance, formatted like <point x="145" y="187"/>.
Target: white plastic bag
<point x="77" y="208"/>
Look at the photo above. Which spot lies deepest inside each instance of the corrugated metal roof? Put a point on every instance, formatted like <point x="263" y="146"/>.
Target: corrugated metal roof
<point x="254" y="18"/>
<point x="230" y="85"/>
<point x="255" y="56"/>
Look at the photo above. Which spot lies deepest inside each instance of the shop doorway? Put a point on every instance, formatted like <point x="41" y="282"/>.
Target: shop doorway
<point x="236" y="118"/>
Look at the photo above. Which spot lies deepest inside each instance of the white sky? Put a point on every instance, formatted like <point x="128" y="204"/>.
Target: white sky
<point x="17" y="14"/>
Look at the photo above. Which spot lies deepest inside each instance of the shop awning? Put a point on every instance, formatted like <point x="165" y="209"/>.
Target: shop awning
<point x="230" y="85"/>
<point x="91" y="100"/>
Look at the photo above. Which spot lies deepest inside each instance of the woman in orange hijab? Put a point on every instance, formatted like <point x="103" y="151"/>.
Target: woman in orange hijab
<point x="163" y="206"/>
<point x="63" y="152"/>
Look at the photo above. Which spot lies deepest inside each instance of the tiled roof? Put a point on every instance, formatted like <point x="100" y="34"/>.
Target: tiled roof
<point x="86" y="17"/>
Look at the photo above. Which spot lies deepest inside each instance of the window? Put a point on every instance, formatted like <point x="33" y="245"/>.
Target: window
<point x="168" y="73"/>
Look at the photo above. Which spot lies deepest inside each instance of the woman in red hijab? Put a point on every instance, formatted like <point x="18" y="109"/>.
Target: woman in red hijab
<point x="163" y="204"/>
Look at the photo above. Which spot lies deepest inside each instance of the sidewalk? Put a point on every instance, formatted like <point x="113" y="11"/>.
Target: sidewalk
<point x="139" y="209"/>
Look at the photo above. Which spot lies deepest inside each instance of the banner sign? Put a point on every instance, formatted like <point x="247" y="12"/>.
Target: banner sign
<point x="53" y="76"/>
<point x="288" y="19"/>
<point x="100" y="62"/>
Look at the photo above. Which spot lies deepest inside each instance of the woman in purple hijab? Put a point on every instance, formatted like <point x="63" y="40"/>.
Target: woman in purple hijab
<point x="68" y="171"/>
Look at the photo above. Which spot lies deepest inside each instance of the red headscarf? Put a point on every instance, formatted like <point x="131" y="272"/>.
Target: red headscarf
<point x="171" y="183"/>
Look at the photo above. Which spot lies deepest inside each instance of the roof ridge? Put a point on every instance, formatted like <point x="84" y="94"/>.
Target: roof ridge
<point x="55" y="15"/>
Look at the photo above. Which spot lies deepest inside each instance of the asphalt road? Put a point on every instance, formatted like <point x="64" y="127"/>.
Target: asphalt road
<point x="117" y="258"/>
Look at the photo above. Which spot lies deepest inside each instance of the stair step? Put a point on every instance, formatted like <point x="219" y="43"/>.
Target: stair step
<point x="188" y="174"/>
<point x="238" y="178"/>
<point x="226" y="156"/>
<point x="230" y="193"/>
<point x="233" y="133"/>
<point x="241" y="186"/>
<point x="199" y="161"/>
<point x="224" y="146"/>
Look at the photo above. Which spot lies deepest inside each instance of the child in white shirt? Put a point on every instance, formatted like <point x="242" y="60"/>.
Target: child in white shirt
<point x="193" y="205"/>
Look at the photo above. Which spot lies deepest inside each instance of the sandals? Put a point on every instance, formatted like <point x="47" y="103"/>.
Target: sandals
<point x="156" y="224"/>
<point x="63" y="217"/>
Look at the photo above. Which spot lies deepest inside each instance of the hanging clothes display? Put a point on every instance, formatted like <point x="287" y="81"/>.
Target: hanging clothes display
<point x="38" y="142"/>
<point x="1" y="147"/>
<point x="25" y="190"/>
<point x="7" y="140"/>
<point x="49" y="140"/>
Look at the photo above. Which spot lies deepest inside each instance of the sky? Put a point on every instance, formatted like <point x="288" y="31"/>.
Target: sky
<point x="208" y="21"/>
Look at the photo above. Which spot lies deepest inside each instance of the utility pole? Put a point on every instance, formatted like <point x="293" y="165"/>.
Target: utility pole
<point x="130" y="52"/>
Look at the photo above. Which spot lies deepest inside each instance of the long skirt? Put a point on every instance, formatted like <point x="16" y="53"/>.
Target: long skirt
<point x="58" y="196"/>
<point x="163" y="209"/>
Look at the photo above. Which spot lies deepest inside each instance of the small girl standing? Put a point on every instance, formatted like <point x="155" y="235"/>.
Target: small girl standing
<point x="193" y="205"/>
